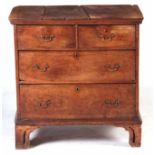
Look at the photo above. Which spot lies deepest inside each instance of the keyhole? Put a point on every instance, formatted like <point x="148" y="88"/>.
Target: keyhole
<point x="77" y="89"/>
<point x="77" y="55"/>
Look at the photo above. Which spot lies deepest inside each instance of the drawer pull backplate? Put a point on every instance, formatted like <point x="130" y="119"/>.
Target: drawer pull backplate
<point x="112" y="68"/>
<point x="109" y="102"/>
<point x="44" y="69"/>
<point x="47" y="37"/>
<point x="44" y="104"/>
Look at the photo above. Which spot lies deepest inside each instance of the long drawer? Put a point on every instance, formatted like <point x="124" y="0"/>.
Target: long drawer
<point x="70" y="101"/>
<point x="82" y="67"/>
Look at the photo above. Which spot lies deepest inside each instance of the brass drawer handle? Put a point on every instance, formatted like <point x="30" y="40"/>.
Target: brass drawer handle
<point x="111" y="68"/>
<point x="114" y="103"/>
<point x="44" y="69"/>
<point x="47" y="37"/>
<point x="44" y="105"/>
<point x="105" y="36"/>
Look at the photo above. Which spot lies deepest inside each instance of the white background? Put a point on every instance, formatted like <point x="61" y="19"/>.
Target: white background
<point x="78" y="140"/>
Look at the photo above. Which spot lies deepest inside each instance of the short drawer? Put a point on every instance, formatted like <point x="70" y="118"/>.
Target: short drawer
<point x="82" y="67"/>
<point x="46" y="37"/>
<point x="107" y="37"/>
<point x="111" y="101"/>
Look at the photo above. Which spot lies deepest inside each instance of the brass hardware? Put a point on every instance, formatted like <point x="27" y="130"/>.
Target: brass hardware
<point x="111" y="36"/>
<point x="111" y="68"/>
<point x="37" y="66"/>
<point x="109" y="102"/>
<point x="106" y="36"/>
<point x="101" y="36"/>
<point x="47" y="37"/>
<point x="45" y="104"/>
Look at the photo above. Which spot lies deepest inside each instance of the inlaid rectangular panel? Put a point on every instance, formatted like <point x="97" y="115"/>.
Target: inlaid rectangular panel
<point x="113" y="12"/>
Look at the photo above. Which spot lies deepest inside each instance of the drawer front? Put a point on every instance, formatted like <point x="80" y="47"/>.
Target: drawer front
<point x="83" y="67"/>
<point x="108" y="37"/>
<point x="46" y="37"/>
<point x="111" y="101"/>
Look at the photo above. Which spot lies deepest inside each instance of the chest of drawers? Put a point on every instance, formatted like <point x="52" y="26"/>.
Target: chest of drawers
<point x="76" y="65"/>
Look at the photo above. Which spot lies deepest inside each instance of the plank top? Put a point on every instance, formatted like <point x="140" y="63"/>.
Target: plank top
<point x="85" y="12"/>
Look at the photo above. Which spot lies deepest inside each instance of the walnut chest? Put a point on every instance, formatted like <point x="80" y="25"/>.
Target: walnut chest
<point x="77" y="65"/>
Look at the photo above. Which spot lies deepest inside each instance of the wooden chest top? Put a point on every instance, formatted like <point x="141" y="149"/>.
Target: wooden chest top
<point x="89" y="13"/>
